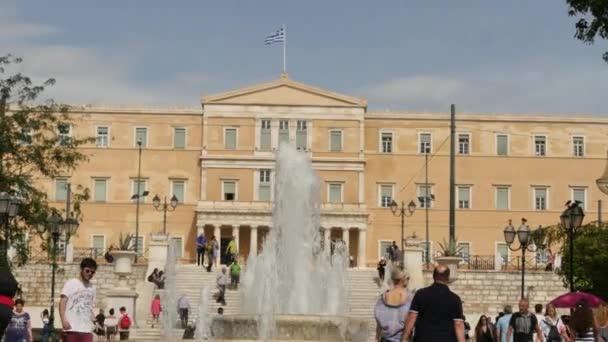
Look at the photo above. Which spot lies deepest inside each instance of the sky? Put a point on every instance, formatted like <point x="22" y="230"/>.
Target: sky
<point x="516" y="56"/>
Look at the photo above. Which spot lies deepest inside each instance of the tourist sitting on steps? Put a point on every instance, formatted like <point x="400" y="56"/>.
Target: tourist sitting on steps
<point x="392" y="308"/>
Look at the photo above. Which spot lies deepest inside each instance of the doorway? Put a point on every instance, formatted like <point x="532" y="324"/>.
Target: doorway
<point x="223" y="255"/>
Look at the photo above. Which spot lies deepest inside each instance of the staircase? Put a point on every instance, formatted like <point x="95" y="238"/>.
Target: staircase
<point x="364" y="293"/>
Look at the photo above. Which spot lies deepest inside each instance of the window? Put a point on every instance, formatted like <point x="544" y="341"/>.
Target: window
<point x="141" y="135"/>
<point x="179" y="138"/>
<point x="540" y="145"/>
<point x="178" y="246"/>
<point x="383" y="250"/>
<point x="98" y="243"/>
<point x="502" y="197"/>
<point x="283" y="131"/>
<point x="265" y="135"/>
<point x="264" y="186"/>
<point x="102" y="137"/>
<point x="101" y="190"/>
<point x="578" y="144"/>
<point x="425" y="255"/>
<point x="229" y="190"/>
<point x="424" y="141"/>
<point x="464" y="197"/>
<point x="464" y="141"/>
<point x="230" y="138"/>
<point x="301" y="135"/>
<point x="580" y="195"/>
<point x="65" y="134"/>
<point x="425" y="196"/>
<point x="502" y="250"/>
<point x="335" y="141"/>
<point x="334" y="194"/>
<point x="540" y="198"/>
<point x="140" y="245"/>
<point x="386" y="195"/>
<point x="465" y="250"/>
<point x="502" y="144"/>
<point x="542" y="256"/>
<point x="26" y="136"/>
<point x="178" y="189"/>
<point x="138" y="189"/>
<point x="61" y="189"/>
<point x="386" y="142"/>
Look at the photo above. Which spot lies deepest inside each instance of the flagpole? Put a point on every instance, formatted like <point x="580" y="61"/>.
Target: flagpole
<point x="284" y="50"/>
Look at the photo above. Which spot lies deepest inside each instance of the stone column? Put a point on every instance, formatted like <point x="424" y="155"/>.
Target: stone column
<point x="253" y="241"/>
<point x="361" y="257"/>
<point x="346" y="239"/>
<point x="235" y="233"/>
<point x="217" y="232"/>
<point x="326" y="237"/>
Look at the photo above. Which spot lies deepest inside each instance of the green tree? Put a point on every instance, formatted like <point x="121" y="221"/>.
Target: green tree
<point x="31" y="148"/>
<point x="592" y="22"/>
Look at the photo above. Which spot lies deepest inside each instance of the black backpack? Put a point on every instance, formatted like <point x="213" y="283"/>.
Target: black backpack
<point x="553" y="332"/>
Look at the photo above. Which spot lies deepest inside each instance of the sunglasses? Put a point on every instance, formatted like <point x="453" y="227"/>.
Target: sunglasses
<point x="89" y="271"/>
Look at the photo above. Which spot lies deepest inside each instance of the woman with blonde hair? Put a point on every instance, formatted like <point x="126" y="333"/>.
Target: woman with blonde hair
<point x="392" y="308"/>
<point x="601" y="319"/>
<point x="552" y="326"/>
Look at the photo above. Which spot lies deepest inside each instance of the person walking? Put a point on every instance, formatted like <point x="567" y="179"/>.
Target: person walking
<point x="392" y="307"/>
<point x="552" y="326"/>
<point x="111" y="325"/>
<point x="523" y="324"/>
<point x="538" y="312"/>
<point x="100" y="328"/>
<point x="221" y="282"/>
<point x="602" y="322"/>
<point x="20" y="326"/>
<point x="210" y="248"/>
<point x="200" y="249"/>
<point x="381" y="269"/>
<point x="483" y="330"/>
<point x="76" y="304"/>
<point x="45" y="318"/>
<point x="235" y="274"/>
<point x="502" y="324"/>
<point x="124" y="324"/>
<point x="183" y="308"/>
<point x="231" y="250"/>
<point x="155" y="309"/>
<point x="436" y="312"/>
<point x="582" y="324"/>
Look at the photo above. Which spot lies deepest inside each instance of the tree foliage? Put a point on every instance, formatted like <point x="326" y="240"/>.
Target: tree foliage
<point x="31" y="148"/>
<point x="592" y="22"/>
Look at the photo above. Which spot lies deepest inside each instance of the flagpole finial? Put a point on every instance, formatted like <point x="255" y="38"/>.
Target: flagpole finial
<point x="284" y="75"/>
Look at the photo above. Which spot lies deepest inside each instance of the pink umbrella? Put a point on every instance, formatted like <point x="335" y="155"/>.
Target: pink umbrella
<point x="569" y="300"/>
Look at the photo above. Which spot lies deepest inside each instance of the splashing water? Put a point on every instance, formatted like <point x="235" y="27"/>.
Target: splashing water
<point x="203" y="323"/>
<point x="168" y="299"/>
<point x="293" y="274"/>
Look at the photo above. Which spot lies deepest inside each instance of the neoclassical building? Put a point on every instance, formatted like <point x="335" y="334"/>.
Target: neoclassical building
<point x="218" y="160"/>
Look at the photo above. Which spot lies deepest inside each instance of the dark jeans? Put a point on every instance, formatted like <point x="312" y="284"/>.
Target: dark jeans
<point x="220" y="297"/>
<point x="381" y="273"/>
<point x="234" y="281"/>
<point x="124" y="335"/>
<point x="210" y="261"/>
<point x="183" y="316"/>
<point x="200" y="256"/>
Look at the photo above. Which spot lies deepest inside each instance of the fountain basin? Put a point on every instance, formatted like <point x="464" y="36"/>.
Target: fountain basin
<point x="293" y="328"/>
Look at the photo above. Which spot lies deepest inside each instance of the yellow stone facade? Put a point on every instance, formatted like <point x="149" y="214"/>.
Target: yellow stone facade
<point x="219" y="160"/>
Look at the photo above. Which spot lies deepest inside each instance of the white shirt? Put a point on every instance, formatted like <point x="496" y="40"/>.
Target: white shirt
<point x="79" y="306"/>
<point x="545" y="325"/>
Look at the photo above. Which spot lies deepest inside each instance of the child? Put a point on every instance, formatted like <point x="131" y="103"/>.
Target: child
<point x="155" y="309"/>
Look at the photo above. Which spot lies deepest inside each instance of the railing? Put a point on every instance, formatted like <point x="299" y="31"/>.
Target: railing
<point x="267" y="206"/>
<point x="488" y="262"/>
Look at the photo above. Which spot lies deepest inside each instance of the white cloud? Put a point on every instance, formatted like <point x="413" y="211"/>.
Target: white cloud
<point x="16" y="30"/>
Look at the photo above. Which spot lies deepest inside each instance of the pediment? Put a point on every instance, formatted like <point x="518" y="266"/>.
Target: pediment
<point x="284" y="92"/>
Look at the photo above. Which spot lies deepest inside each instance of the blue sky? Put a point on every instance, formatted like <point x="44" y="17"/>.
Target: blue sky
<point x="515" y="56"/>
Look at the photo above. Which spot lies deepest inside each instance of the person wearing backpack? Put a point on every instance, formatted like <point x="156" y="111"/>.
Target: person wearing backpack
<point x="523" y="324"/>
<point x="552" y="326"/>
<point x="124" y="324"/>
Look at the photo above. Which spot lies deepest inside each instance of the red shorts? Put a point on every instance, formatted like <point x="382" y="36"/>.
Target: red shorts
<point x="69" y="336"/>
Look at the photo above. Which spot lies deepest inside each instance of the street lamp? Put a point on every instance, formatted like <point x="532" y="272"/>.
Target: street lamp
<point x="403" y="212"/>
<point x="9" y="207"/>
<point x="526" y="243"/>
<point x="172" y="204"/>
<point x="572" y="219"/>
<point x="137" y="197"/>
<point x="56" y="227"/>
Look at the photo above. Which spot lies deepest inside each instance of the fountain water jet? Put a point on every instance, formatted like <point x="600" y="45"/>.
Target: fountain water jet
<point x="168" y="300"/>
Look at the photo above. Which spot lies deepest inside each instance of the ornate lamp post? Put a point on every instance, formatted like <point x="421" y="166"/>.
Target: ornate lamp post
<point x="572" y="219"/>
<point x="526" y="243"/>
<point x="403" y="211"/>
<point x="166" y="207"/>
<point x="56" y="227"/>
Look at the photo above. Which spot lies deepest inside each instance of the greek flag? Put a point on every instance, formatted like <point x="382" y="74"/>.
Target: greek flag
<point x="278" y="36"/>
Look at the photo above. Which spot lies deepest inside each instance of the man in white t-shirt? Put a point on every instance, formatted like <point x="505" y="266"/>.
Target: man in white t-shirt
<point x="76" y="305"/>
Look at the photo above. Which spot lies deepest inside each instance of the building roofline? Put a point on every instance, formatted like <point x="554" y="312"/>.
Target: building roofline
<point x="496" y="117"/>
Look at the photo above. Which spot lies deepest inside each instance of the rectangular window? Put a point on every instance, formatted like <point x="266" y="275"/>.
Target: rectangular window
<point x="502" y="250"/>
<point x="335" y="141"/>
<point x="138" y="189"/>
<point x="230" y="138"/>
<point x="540" y="145"/>
<point x="540" y="198"/>
<point x="464" y="141"/>
<point x="179" y="138"/>
<point x="502" y="197"/>
<point x="65" y="134"/>
<point x="580" y="195"/>
<point x="283" y="131"/>
<point x="334" y="192"/>
<point x="140" y="245"/>
<point x="425" y="196"/>
<point x="425" y="255"/>
<point x="98" y="243"/>
<point x="386" y="142"/>
<point x="229" y="190"/>
<point x="61" y="189"/>
<point x="424" y="142"/>
<point x="265" y="135"/>
<point x="386" y="195"/>
<point x="384" y="248"/>
<point x="465" y="250"/>
<point x="264" y="186"/>
<point x="578" y="144"/>
<point x="141" y="136"/>
<point x="301" y="135"/>
<point x="542" y="256"/>
<point x="101" y="190"/>
<point x="464" y="197"/>
<point x="502" y="145"/>
<point x="102" y="136"/>
<point x="178" y="189"/>
<point x="178" y="246"/>
<point x="25" y="136"/>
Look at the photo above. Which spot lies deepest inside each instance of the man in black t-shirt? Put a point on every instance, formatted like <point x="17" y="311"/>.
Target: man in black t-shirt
<point x="436" y="312"/>
<point x="523" y="324"/>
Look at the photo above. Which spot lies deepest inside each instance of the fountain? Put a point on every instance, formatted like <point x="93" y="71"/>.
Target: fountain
<point x="203" y="323"/>
<point x="294" y="290"/>
<point x="168" y="300"/>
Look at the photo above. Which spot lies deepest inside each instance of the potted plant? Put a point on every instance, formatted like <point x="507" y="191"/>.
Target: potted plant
<point x="124" y="255"/>
<point x="450" y="256"/>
